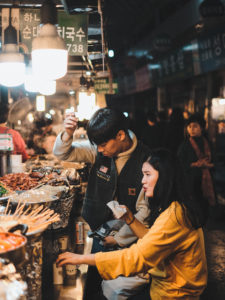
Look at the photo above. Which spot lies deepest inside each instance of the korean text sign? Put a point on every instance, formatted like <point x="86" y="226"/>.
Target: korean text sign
<point x="72" y="28"/>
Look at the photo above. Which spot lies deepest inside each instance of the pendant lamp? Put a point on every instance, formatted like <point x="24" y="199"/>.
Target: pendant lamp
<point x="12" y="65"/>
<point x="49" y="53"/>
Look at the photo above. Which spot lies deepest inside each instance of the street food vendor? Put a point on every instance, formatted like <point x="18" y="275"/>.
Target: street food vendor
<point x="18" y="142"/>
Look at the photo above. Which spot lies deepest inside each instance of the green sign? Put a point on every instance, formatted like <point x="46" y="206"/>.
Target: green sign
<point x="72" y="28"/>
<point x="102" y="86"/>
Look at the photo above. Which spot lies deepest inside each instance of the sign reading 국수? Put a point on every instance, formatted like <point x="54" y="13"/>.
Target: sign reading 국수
<point x="72" y="28"/>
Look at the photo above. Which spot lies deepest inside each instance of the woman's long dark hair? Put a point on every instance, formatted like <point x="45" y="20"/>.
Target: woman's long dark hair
<point x="171" y="186"/>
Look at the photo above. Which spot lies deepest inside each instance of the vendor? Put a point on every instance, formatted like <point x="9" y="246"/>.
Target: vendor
<point x="18" y="142"/>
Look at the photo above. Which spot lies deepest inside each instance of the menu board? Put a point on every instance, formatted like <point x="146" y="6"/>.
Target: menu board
<point x="211" y="50"/>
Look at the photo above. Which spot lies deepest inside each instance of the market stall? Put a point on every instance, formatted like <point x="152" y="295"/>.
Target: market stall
<point x="47" y="197"/>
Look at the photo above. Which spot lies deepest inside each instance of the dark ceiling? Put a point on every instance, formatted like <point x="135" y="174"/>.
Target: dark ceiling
<point x="125" y="23"/>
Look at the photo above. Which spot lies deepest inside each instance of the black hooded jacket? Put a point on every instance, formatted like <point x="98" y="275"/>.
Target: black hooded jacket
<point x="105" y="184"/>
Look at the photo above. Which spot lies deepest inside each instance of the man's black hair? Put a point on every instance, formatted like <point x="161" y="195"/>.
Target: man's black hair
<point x="105" y="124"/>
<point x="4" y="111"/>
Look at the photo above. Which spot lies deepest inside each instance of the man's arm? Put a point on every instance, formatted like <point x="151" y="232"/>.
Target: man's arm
<point x="126" y="236"/>
<point x="65" y="149"/>
<point x="81" y="151"/>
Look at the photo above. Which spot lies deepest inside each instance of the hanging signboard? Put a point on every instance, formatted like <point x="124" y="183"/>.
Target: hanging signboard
<point x="176" y="65"/>
<point x="72" y="28"/>
<point x="102" y="86"/>
<point x="211" y="51"/>
<point x="29" y="28"/>
<point x="211" y="8"/>
<point x="14" y="21"/>
<point x="142" y="78"/>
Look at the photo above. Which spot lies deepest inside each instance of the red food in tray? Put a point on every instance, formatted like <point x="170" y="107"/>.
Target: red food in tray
<point x="9" y="241"/>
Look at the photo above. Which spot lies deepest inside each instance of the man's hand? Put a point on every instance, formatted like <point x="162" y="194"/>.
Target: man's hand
<point x="70" y="125"/>
<point x="109" y="241"/>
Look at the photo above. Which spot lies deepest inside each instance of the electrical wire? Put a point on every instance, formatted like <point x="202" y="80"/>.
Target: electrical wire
<point x="102" y="35"/>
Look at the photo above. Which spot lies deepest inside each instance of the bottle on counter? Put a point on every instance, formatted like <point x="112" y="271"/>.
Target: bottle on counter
<point x="6" y="149"/>
<point x="59" y="272"/>
<point x="79" y="236"/>
<point x="70" y="275"/>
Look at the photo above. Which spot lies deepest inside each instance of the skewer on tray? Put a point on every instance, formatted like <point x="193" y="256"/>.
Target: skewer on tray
<point x="36" y="219"/>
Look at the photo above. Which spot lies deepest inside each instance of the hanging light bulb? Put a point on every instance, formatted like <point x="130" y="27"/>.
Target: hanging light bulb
<point x="30" y="82"/>
<point x="40" y="103"/>
<point x="12" y="66"/>
<point x="49" y="53"/>
<point x="47" y="87"/>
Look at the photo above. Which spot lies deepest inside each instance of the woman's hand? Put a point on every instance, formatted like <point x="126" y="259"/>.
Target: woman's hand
<point x="128" y="217"/>
<point x="109" y="241"/>
<point x="68" y="258"/>
<point x="75" y="259"/>
<point x="136" y="226"/>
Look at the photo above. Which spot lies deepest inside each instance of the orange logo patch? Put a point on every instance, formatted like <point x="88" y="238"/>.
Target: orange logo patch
<point x="131" y="191"/>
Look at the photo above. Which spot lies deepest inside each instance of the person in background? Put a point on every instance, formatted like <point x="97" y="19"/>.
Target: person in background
<point x="196" y="156"/>
<point x="172" y="250"/>
<point x="48" y="142"/>
<point x="174" y="134"/>
<point x="117" y="157"/>
<point x="220" y="139"/>
<point x="42" y="137"/>
<point x="18" y="142"/>
<point x="151" y="134"/>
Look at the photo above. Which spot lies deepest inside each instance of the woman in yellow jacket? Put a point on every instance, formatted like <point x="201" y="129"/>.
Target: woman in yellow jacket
<point x="172" y="250"/>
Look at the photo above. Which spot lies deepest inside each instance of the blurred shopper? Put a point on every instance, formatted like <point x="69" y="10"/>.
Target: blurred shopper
<point x="48" y="142"/>
<point x="220" y="140"/>
<point x="42" y="137"/>
<point x="196" y="157"/>
<point x="151" y="133"/>
<point x="117" y="158"/>
<point x="18" y="142"/>
<point x="174" y="134"/>
<point x="172" y="250"/>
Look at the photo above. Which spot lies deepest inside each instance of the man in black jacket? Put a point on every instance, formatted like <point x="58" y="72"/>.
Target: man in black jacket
<point x="116" y="174"/>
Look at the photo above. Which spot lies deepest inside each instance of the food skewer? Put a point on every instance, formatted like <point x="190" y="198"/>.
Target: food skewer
<point x="7" y="206"/>
<point x="36" y="219"/>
